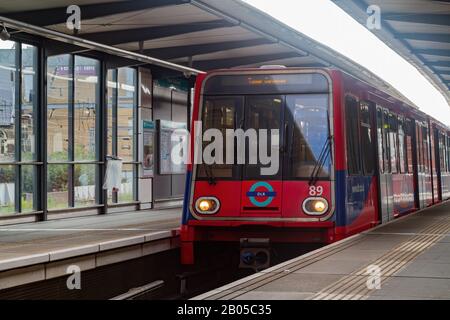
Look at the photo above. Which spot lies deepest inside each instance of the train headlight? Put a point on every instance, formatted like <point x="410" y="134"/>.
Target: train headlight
<point x="315" y="206"/>
<point x="207" y="205"/>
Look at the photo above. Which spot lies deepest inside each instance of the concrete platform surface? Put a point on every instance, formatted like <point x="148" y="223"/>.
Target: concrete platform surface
<point x="408" y="258"/>
<point x="35" y="243"/>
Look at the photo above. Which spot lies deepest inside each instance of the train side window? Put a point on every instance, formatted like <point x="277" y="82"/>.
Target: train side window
<point x="441" y="150"/>
<point x="380" y="139"/>
<point x="386" y="142"/>
<point x="443" y="153"/>
<point x="353" y="149"/>
<point x="448" y="154"/>
<point x="393" y="123"/>
<point x="409" y="154"/>
<point x="402" y="146"/>
<point x="426" y="150"/>
<point x="367" y="143"/>
<point x="419" y="148"/>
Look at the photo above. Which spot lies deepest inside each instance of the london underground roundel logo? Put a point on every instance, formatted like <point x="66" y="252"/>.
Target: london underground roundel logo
<point x="265" y="191"/>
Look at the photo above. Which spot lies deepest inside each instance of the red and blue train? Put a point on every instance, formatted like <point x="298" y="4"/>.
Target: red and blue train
<point x="350" y="157"/>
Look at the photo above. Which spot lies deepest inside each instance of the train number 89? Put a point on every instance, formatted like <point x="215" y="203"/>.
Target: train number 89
<point x="315" y="191"/>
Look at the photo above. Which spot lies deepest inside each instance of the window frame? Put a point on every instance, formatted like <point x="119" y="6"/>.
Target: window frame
<point x="18" y="163"/>
<point x="71" y="162"/>
<point x="134" y="162"/>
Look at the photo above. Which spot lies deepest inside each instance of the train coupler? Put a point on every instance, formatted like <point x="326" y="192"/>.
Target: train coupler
<point x="254" y="253"/>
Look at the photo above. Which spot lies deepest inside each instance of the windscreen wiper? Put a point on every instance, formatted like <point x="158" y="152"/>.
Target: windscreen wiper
<point x="320" y="161"/>
<point x="209" y="174"/>
<point x="326" y="150"/>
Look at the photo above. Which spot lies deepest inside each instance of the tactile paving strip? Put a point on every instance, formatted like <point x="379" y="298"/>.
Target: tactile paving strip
<point x="354" y="286"/>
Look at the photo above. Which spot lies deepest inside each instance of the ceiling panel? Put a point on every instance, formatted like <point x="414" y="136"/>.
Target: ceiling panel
<point x="27" y="5"/>
<point x="406" y="27"/>
<point x="201" y="37"/>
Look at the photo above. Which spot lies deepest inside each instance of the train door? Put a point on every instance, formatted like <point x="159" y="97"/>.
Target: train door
<point x="384" y="162"/>
<point x="262" y="188"/>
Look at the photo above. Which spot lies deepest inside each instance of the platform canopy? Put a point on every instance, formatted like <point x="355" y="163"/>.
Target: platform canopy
<point x="419" y="30"/>
<point x="205" y="35"/>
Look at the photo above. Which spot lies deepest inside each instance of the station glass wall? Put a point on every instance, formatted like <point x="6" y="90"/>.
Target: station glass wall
<point x="73" y="101"/>
<point x="121" y="130"/>
<point x="18" y="116"/>
<point x="73" y="154"/>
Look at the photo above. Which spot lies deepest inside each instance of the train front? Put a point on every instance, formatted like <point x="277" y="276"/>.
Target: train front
<point x="262" y="170"/>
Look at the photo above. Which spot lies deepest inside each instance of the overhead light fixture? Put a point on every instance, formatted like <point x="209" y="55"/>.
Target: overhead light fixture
<point x="4" y="34"/>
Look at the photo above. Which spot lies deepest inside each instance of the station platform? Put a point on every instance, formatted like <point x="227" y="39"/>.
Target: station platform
<point x="39" y="251"/>
<point x="408" y="258"/>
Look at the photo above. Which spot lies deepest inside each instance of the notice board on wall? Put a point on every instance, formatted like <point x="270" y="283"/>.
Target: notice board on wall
<point x="169" y="136"/>
<point x="148" y="137"/>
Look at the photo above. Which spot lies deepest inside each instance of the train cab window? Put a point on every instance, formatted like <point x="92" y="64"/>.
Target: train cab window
<point x="393" y="124"/>
<point x="220" y="113"/>
<point x="261" y="113"/>
<point x="308" y="137"/>
<point x="352" y="133"/>
<point x="402" y="147"/>
<point x="367" y="143"/>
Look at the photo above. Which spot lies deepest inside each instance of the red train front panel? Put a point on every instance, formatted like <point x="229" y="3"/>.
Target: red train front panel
<point x="228" y="202"/>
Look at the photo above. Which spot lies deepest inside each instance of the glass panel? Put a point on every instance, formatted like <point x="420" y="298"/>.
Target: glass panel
<point x="419" y="147"/>
<point x="112" y="95"/>
<point x="393" y="142"/>
<point x="386" y="143"/>
<point x="57" y="185"/>
<point x="309" y="136"/>
<point x="261" y="113"/>
<point x="426" y="150"/>
<point x="86" y="102"/>
<point x="84" y="182"/>
<point x="125" y="113"/>
<point x="28" y="188"/>
<point x="367" y="143"/>
<point x="380" y="139"/>
<point x="402" y="148"/>
<point x="29" y="98"/>
<point x="126" y="191"/>
<point x="7" y="189"/>
<point x="7" y="99"/>
<point x="220" y="113"/>
<point x="59" y="83"/>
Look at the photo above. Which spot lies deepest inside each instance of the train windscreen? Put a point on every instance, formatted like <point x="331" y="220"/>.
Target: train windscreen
<point x="299" y="116"/>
